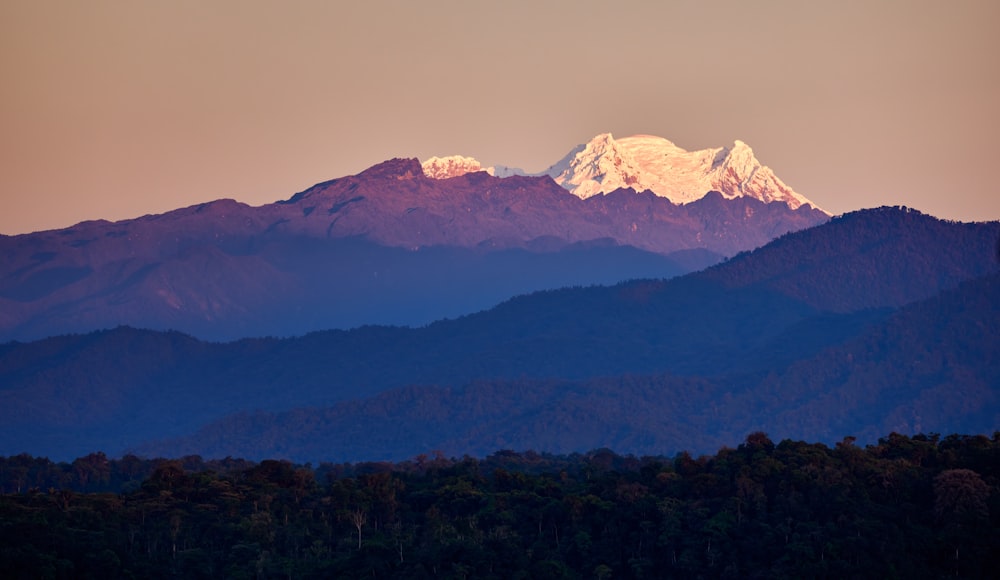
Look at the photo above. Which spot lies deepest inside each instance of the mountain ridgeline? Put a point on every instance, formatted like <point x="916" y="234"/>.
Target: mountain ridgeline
<point x="878" y="320"/>
<point x="387" y="246"/>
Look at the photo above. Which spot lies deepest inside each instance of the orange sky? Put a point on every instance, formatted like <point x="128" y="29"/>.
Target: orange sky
<point x="114" y="109"/>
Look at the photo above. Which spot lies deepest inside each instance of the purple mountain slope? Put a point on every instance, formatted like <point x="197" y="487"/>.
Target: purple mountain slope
<point x="389" y="245"/>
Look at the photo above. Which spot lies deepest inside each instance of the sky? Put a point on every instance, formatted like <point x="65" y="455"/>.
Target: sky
<point x="112" y="109"/>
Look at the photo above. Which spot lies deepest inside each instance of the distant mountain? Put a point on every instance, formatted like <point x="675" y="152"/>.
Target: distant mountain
<point x="645" y="162"/>
<point x="649" y="163"/>
<point x="451" y="166"/>
<point x="757" y="315"/>
<point x="389" y="245"/>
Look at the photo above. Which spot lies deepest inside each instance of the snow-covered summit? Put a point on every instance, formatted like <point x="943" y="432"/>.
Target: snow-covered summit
<point x="600" y="166"/>
<point x="647" y="162"/>
<point x="450" y="166"/>
<point x="455" y="165"/>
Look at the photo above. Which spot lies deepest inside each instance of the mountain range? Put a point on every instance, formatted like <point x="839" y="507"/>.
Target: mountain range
<point x="647" y="163"/>
<point x="883" y="318"/>
<point x="401" y="244"/>
<point x="634" y="295"/>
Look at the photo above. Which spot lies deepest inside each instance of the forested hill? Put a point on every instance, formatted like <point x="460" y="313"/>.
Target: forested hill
<point x="920" y="507"/>
<point x="883" y="257"/>
<point x="933" y="365"/>
<point x="112" y="390"/>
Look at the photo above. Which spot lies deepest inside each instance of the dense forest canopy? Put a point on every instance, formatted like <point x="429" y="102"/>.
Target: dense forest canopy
<point x="906" y="507"/>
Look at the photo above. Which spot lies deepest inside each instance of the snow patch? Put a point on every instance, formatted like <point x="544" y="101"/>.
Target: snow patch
<point x="450" y="166"/>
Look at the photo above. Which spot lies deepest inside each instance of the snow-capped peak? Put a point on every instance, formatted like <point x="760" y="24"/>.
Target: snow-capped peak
<point x="599" y="166"/>
<point x="646" y="162"/>
<point x="450" y="166"/>
<point x="455" y="165"/>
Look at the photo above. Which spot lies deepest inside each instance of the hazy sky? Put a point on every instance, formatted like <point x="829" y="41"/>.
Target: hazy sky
<point x="115" y="109"/>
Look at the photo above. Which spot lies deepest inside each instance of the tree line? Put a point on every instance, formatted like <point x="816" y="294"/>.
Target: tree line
<point x="906" y="507"/>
